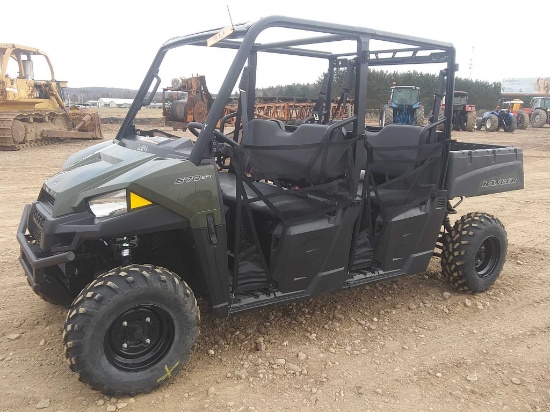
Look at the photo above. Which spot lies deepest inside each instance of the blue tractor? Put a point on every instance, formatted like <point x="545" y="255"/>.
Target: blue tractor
<point x="403" y="107"/>
<point x="499" y="119"/>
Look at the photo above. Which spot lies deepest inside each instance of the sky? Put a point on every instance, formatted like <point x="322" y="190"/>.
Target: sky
<point x="112" y="43"/>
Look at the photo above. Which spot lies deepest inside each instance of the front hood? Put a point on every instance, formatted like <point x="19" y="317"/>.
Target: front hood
<point x="87" y="176"/>
<point x="173" y="182"/>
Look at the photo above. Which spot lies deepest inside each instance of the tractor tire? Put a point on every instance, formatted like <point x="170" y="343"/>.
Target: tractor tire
<point x="539" y="118"/>
<point x="479" y="124"/>
<point x="457" y="125"/>
<point x="491" y="123"/>
<point x="470" y="122"/>
<point x="474" y="252"/>
<point x="419" y="116"/>
<point x="512" y="126"/>
<point x="388" y="116"/>
<point x="131" y="330"/>
<point x="522" y="120"/>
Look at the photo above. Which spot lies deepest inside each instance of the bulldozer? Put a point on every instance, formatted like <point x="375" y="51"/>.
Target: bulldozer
<point x="32" y="111"/>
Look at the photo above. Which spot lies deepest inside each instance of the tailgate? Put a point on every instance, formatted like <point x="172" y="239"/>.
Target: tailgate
<point x="478" y="169"/>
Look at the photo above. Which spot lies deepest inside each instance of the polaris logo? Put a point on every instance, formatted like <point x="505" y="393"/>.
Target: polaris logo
<point x="499" y="182"/>
<point x="188" y="179"/>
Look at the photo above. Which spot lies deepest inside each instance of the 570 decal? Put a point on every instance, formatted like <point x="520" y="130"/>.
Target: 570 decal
<point x="189" y="179"/>
<point x="499" y="182"/>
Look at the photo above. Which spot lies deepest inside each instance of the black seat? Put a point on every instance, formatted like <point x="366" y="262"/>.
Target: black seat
<point x="388" y="197"/>
<point x="290" y="205"/>
<point x="297" y="155"/>
<point x="395" y="135"/>
<point x="392" y="136"/>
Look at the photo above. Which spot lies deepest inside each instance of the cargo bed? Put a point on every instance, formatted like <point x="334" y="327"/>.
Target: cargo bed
<point x="480" y="169"/>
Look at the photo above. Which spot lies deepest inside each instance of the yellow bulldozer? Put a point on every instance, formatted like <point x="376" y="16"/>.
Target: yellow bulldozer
<point x="33" y="111"/>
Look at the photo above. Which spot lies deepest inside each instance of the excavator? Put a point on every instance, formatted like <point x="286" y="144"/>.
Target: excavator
<point x="32" y="112"/>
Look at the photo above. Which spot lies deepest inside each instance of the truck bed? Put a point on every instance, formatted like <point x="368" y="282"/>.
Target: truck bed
<point x="481" y="169"/>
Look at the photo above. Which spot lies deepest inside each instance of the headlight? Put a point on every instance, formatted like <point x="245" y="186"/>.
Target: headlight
<point x="110" y="204"/>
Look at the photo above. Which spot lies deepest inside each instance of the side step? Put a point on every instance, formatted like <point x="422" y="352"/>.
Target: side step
<point x="245" y="301"/>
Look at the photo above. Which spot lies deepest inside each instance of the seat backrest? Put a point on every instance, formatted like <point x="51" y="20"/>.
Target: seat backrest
<point x="303" y="154"/>
<point x="395" y="136"/>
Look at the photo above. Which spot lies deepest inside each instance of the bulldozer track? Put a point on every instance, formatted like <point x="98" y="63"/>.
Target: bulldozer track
<point x="9" y="143"/>
<point x="34" y="143"/>
<point x="7" y="139"/>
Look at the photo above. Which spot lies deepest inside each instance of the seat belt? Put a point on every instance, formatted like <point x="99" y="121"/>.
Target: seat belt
<point x="346" y="87"/>
<point x="321" y="99"/>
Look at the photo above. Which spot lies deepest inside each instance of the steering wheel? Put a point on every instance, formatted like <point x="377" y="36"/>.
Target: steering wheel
<point x="194" y="128"/>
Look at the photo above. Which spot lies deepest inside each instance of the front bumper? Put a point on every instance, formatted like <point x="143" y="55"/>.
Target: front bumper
<point x="35" y="267"/>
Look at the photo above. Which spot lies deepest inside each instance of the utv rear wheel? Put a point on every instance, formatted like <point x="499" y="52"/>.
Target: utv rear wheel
<point x="523" y="120"/>
<point x="131" y="330"/>
<point x="470" y="121"/>
<point x="491" y="123"/>
<point x="538" y="118"/>
<point x="388" y="115"/>
<point x="474" y="252"/>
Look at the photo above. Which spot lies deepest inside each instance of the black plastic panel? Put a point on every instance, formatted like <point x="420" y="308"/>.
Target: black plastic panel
<point x="476" y="170"/>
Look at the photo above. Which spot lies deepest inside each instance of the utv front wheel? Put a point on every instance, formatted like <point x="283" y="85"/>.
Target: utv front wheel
<point x="131" y="330"/>
<point x="474" y="252"/>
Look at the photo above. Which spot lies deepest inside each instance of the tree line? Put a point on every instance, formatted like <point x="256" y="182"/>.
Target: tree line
<point x="484" y="95"/>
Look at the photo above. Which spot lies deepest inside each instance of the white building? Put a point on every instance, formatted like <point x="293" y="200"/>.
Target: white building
<point x="109" y="102"/>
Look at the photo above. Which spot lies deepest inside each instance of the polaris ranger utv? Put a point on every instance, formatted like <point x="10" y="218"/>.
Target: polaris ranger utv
<point x="130" y="231"/>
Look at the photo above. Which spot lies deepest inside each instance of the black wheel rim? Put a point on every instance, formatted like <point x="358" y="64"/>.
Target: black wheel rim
<point x="139" y="338"/>
<point x="487" y="257"/>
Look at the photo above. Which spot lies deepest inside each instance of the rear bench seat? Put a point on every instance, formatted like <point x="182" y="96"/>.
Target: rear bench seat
<point x="392" y="135"/>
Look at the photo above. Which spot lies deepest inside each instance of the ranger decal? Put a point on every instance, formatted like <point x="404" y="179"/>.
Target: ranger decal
<point x="499" y="182"/>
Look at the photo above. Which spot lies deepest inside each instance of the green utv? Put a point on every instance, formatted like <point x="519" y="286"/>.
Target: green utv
<point x="263" y="213"/>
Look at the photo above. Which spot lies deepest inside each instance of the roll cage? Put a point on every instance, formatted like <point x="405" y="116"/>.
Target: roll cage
<point x="413" y="50"/>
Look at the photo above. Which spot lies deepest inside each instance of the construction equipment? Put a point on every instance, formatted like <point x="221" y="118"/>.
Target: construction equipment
<point x="403" y="107"/>
<point x="188" y="100"/>
<point x="32" y="111"/>
<point x="130" y="231"/>
<point x="499" y="119"/>
<point x="540" y="115"/>
<point x="515" y="106"/>
<point x="464" y="114"/>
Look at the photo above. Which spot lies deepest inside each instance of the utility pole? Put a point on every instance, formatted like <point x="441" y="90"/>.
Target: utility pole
<point x="471" y="62"/>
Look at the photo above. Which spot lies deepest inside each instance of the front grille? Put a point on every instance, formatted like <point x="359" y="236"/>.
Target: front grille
<point x="38" y="218"/>
<point x="35" y="224"/>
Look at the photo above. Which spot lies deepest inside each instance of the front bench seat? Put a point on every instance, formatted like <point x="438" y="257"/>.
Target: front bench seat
<point x="290" y="205"/>
<point x="265" y="141"/>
